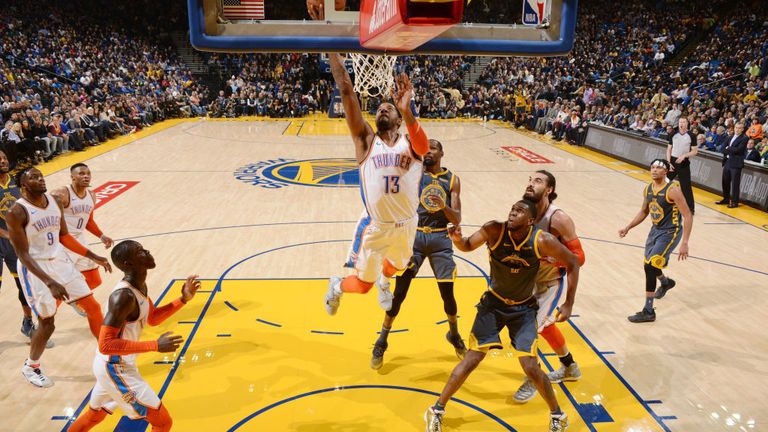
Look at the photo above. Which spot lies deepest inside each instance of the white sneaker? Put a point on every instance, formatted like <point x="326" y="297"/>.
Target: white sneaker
<point x="80" y="311"/>
<point x="385" y="295"/>
<point x="333" y="296"/>
<point x="526" y="392"/>
<point x="35" y="376"/>
<point x="570" y="373"/>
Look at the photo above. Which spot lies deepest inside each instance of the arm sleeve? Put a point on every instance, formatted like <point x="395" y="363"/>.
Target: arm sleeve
<point x="162" y="313"/>
<point x="92" y="227"/>
<point x="419" y="140"/>
<point x="72" y="244"/>
<point x="111" y="344"/>
<point x="575" y="247"/>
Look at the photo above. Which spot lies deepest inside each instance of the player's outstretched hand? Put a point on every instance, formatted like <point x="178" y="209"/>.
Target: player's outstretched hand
<point x="108" y="242"/>
<point x="683" y="252"/>
<point x="168" y="342"/>
<point x="454" y="233"/>
<point x="100" y="260"/>
<point x="564" y="313"/>
<point x="623" y="232"/>
<point x="403" y="92"/>
<point x="191" y="285"/>
<point x="58" y="291"/>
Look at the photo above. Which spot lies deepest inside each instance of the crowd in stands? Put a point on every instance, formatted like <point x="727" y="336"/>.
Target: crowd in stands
<point x="73" y="74"/>
<point x="63" y="88"/>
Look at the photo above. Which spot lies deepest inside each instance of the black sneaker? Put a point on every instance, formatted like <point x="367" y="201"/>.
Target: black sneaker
<point x="663" y="288"/>
<point x="643" y="316"/>
<point x="458" y="344"/>
<point x="377" y="359"/>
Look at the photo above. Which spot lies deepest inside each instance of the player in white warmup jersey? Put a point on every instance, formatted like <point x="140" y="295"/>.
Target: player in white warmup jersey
<point x="47" y="273"/>
<point x="118" y="381"/>
<point x="390" y="175"/>
<point x="79" y="203"/>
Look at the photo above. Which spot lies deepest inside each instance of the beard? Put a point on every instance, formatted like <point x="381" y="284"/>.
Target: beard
<point x="383" y="123"/>
<point x="531" y="196"/>
<point x="429" y="162"/>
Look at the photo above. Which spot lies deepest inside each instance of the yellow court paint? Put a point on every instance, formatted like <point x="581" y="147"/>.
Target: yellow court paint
<point x="266" y="357"/>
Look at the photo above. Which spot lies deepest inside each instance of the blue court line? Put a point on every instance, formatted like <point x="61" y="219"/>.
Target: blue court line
<point x="621" y="378"/>
<point x="187" y="322"/>
<point x="457" y="316"/>
<point x="224" y="335"/>
<point x="326" y="332"/>
<point x="608" y="352"/>
<point x="655" y="401"/>
<point x="242" y="422"/>
<point x="394" y="331"/>
<point x="668" y="417"/>
<point x="59" y="418"/>
<point x="456" y="256"/>
<point x="204" y="291"/>
<point x="231" y="306"/>
<point x="575" y="316"/>
<point x="268" y="323"/>
<point x="164" y="362"/>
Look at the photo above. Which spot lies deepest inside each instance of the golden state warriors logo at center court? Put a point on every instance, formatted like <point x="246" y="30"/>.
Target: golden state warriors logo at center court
<point x="315" y="172"/>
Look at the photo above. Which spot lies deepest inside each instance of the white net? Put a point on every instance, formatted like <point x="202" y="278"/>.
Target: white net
<point x="374" y="73"/>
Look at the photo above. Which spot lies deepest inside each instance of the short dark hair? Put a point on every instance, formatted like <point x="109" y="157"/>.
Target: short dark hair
<point x="77" y="165"/>
<point x="437" y="143"/>
<point x="121" y="252"/>
<point x="551" y="182"/>
<point x="20" y="176"/>
<point x="531" y="207"/>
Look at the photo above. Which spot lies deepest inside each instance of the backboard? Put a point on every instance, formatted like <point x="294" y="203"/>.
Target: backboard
<point x="488" y="27"/>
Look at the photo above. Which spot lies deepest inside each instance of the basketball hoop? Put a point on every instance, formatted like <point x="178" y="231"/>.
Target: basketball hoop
<point x="374" y="73"/>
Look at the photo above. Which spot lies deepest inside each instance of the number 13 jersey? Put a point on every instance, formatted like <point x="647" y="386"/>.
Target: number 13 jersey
<point x="389" y="181"/>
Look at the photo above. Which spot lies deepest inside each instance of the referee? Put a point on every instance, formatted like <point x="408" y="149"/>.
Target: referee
<point x="681" y="148"/>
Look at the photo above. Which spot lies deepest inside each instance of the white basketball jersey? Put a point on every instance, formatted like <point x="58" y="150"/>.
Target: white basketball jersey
<point x="389" y="179"/>
<point x="78" y="212"/>
<point x="131" y="329"/>
<point x="43" y="227"/>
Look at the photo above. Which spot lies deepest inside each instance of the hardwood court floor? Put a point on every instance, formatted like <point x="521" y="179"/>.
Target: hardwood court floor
<point x="264" y="212"/>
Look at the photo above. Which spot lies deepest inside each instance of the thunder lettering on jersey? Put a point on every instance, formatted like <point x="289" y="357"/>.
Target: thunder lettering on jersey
<point x="514" y="266"/>
<point x="389" y="181"/>
<point x="9" y="194"/>
<point x="131" y="329"/>
<point x="43" y="228"/>
<point x="443" y="180"/>
<point x="78" y="212"/>
<point x="664" y="213"/>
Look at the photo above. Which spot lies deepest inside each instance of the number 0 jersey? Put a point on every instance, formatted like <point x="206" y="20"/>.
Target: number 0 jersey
<point x="389" y="181"/>
<point x="78" y="212"/>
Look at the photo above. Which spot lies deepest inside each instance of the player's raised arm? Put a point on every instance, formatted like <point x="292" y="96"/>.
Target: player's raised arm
<point x="402" y="96"/>
<point x="159" y="314"/>
<point x="487" y="234"/>
<point x="549" y="246"/>
<point x="453" y="212"/>
<point x="362" y="133"/>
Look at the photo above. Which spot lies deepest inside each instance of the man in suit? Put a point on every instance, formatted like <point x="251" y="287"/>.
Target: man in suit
<point x="733" y="162"/>
<point x="752" y="153"/>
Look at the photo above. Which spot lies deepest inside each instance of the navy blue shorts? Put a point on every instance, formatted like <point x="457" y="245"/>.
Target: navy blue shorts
<point x="493" y="315"/>
<point x="660" y="245"/>
<point x="438" y="248"/>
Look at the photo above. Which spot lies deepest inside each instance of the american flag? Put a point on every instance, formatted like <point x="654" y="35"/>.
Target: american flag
<point x="244" y="9"/>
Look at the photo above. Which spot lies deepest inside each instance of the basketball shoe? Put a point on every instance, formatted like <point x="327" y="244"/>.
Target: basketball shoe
<point x="434" y="419"/>
<point x="385" y="295"/>
<point x="35" y="376"/>
<point x="333" y="296"/>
